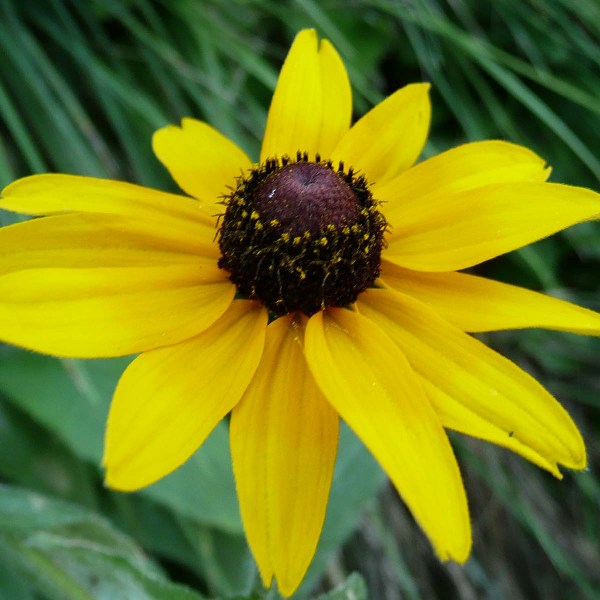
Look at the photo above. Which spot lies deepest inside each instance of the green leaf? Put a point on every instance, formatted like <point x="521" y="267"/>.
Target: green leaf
<point x="31" y="456"/>
<point x="203" y="488"/>
<point x="354" y="588"/>
<point x="225" y="560"/>
<point x="71" y="398"/>
<point x="72" y="554"/>
<point x="222" y="560"/>
<point x="12" y="585"/>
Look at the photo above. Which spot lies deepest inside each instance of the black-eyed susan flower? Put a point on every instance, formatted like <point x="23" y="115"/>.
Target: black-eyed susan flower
<point x="321" y="281"/>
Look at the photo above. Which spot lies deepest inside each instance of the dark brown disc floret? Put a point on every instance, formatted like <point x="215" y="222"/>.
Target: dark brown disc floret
<point x="301" y="236"/>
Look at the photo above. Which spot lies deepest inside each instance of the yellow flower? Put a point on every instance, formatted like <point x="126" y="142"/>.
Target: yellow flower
<point x="346" y="302"/>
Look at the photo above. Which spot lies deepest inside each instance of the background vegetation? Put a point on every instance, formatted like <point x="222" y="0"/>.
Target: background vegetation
<point x="84" y="83"/>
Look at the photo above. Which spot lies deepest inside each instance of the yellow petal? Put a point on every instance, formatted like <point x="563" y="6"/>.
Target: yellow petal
<point x="390" y="137"/>
<point x="283" y="441"/>
<point x="201" y="160"/>
<point x="450" y="232"/>
<point x="477" y="304"/>
<point x="169" y="400"/>
<point x="460" y="169"/>
<point x="373" y="388"/>
<point x="336" y="104"/>
<point x="55" y="194"/>
<point x="89" y="240"/>
<point x="473" y="388"/>
<point x="312" y="104"/>
<point x="105" y="312"/>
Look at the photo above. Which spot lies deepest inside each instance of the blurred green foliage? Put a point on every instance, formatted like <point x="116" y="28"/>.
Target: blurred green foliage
<point x="82" y="87"/>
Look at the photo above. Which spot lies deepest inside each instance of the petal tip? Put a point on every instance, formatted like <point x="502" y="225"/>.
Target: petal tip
<point x="121" y="477"/>
<point x="266" y="575"/>
<point x="159" y="134"/>
<point x="306" y="33"/>
<point x="287" y="588"/>
<point x="9" y="190"/>
<point x="421" y="87"/>
<point x="5" y="191"/>
<point x="576" y="455"/>
<point x="113" y="480"/>
<point x="305" y="40"/>
<point x="460" y="552"/>
<point x="579" y="462"/>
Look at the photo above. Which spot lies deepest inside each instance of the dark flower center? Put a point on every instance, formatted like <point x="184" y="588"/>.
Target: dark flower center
<point x="301" y="236"/>
<point x="304" y="197"/>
